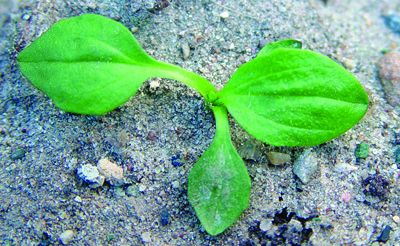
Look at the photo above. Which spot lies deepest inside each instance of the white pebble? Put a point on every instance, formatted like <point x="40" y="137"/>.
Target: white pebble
<point x="66" y="236"/>
<point x="396" y="219"/>
<point x="146" y="238"/>
<point x="224" y="15"/>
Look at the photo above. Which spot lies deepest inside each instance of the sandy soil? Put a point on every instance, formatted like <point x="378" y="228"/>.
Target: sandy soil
<point x="42" y="147"/>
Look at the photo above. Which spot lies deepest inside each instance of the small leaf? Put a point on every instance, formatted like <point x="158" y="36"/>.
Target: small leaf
<point x="287" y="43"/>
<point x="294" y="97"/>
<point x="87" y="64"/>
<point x="218" y="185"/>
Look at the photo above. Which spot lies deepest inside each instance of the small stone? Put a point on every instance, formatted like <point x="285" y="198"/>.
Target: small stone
<point x="66" y="236"/>
<point x="25" y="17"/>
<point x="174" y="235"/>
<point x="393" y="22"/>
<point x="146" y="237"/>
<point x="132" y="190"/>
<point x="305" y="166"/>
<point x="251" y="150"/>
<point x="385" y="234"/>
<point x="17" y="154"/>
<point x="113" y="173"/>
<point x="361" y="151"/>
<point x="185" y="51"/>
<point x="396" y="219"/>
<point x="345" y="197"/>
<point x="175" y="184"/>
<point x="277" y="158"/>
<point x="177" y="161"/>
<point x="154" y="84"/>
<point x="389" y="74"/>
<point x="91" y="175"/>
<point x="134" y="29"/>
<point x="78" y="199"/>
<point x="142" y="188"/>
<point x="231" y="47"/>
<point x="265" y="224"/>
<point x="224" y="15"/>
<point x="348" y="63"/>
<point x="110" y="237"/>
<point x="164" y="217"/>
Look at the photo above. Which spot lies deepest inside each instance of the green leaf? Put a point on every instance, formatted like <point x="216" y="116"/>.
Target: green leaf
<point x="287" y="43"/>
<point x="87" y="64"/>
<point x="294" y="97"/>
<point x="91" y="64"/>
<point x="219" y="186"/>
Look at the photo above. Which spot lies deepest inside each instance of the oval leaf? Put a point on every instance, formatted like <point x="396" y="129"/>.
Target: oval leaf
<point x="218" y="185"/>
<point x="87" y="64"/>
<point x="294" y="97"/>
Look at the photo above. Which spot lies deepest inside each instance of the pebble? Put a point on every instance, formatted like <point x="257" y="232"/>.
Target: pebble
<point x="25" y="17"/>
<point x="142" y="188"/>
<point x="78" y="199"/>
<point x="345" y="197"/>
<point x="224" y="15"/>
<point x="66" y="236"/>
<point x="251" y="150"/>
<point x="277" y="158"/>
<point x="393" y="22"/>
<point x="361" y="151"/>
<point x="113" y="173"/>
<point x="396" y="219"/>
<point x="385" y="234"/>
<point x="134" y="29"/>
<point x="164" y="217"/>
<point x="146" y="237"/>
<point x="17" y="154"/>
<point x="349" y="63"/>
<point x="305" y="166"/>
<point x="91" y="175"/>
<point x="132" y="190"/>
<point x="389" y="74"/>
<point x="265" y="224"/>
<point x="185" y="51"/>
<point x="175" y="184"/>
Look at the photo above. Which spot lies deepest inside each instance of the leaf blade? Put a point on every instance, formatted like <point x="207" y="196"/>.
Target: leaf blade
<point x="218" y="185"/>
<point x="77" y="60"/>
<point x="295" y="97"/>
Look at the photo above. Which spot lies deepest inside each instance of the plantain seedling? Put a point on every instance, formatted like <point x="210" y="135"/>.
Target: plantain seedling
<point x="286" y="96"/>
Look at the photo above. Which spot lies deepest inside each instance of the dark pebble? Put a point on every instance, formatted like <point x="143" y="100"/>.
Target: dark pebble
<point x="375" y="185"/>
<point x="164" y="217"/>
<point x="393" y="22"/>
<point x="176" y="161"/>
<point x="384" y="235"/>
<point x="17" y="154"/>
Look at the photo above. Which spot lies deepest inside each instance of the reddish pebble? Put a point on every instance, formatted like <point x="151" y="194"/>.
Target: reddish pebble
<point x="346" y="197"/>
<point x="389" y="73"/>
<point x="151" y="135"/>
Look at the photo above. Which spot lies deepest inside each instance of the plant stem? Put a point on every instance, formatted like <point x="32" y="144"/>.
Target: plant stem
<point x="221" y="121"/>
<point x="203" y="86"/>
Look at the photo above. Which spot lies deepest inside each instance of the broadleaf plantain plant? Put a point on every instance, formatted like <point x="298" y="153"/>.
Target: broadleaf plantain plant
<point x="286" y="96"/>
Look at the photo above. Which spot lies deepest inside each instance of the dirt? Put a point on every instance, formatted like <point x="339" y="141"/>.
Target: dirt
<point x="348" y="201"/>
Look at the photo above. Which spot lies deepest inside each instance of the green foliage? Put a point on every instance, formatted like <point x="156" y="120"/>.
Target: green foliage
<point x="286" y="96"/>
<point x="294" y="97"/>
<point x="219" y="186"/>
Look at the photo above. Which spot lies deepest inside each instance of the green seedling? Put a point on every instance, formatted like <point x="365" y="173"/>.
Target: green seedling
<point x="286" y="96"/>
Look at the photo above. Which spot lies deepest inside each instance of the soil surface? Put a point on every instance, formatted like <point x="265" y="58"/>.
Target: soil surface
<point x="160" y="133"/>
